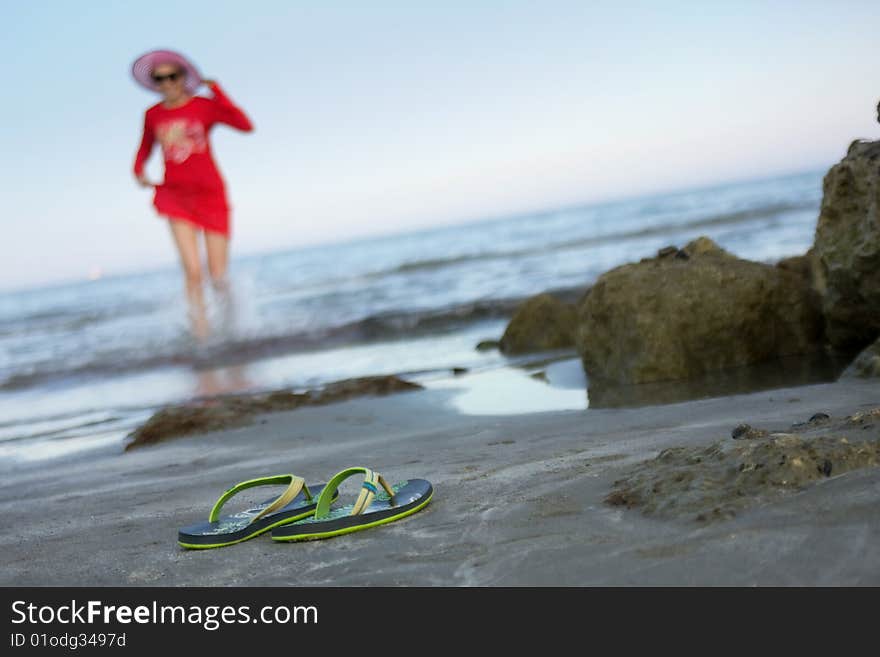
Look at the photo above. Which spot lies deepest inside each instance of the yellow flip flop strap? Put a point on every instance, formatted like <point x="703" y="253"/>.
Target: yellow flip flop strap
<point x="368" y="491"/>
<point x="295" y="485"/>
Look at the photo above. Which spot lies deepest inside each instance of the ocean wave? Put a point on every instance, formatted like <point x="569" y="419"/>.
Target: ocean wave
<point x="43" y="360"/>
<point x="710" y="221"/>
<point x="370" y="329"/>
<point x="56" y="320"/>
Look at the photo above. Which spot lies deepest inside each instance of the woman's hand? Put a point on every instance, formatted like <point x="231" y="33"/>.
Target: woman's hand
<point x="143" y="182"/>
<point x="209" y="82"/>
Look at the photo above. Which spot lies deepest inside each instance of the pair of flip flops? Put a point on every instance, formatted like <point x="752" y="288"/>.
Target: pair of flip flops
<point x="303" y="513"/>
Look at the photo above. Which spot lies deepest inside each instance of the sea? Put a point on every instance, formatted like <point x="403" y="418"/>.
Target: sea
<point x="82" y="364"/>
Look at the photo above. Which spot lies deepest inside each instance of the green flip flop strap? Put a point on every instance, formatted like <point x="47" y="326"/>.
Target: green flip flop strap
<point x="368" y="491"/>
<point x="295" y="485"/>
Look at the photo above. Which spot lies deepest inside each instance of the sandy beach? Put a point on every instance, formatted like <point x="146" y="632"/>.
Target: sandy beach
<point x="518" y="501"/>
<point x="606" y="275"/>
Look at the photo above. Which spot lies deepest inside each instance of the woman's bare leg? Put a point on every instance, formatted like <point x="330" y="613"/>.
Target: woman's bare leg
<point x="217" y="246"/>
<point x="186" y="239"/>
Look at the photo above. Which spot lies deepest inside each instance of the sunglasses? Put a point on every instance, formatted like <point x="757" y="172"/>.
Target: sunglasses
<point x="171" y="77"/>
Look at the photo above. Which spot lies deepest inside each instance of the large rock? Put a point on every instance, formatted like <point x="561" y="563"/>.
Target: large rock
<point x="541" y="323"/>
<point x="691" y="312"/>
<point x="867" y="364"/>
<point x="847" y="248"/>
<point x="800" y="265"/>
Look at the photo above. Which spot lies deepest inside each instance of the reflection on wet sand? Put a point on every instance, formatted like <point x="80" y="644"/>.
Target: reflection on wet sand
<point x="782" y="373"/>
<point x="221" y="381"/>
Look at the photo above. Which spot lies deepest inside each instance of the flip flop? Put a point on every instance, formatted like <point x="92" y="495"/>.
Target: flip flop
<point x="371" y="508"/>
<point x="295" y="503"/>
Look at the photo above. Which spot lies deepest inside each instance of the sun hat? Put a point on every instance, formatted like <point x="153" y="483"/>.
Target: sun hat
<point x="143" y="66"/>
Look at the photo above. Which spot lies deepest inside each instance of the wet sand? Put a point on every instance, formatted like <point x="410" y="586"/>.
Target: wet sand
<point x="519" y="500"/>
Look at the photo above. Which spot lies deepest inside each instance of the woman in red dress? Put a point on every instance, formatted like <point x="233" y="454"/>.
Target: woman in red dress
<point x="193" y="195"/>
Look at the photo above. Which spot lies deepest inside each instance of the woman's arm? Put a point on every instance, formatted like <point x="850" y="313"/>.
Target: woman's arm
<point x="143" y="152"/>
<point x="225" y="111"/>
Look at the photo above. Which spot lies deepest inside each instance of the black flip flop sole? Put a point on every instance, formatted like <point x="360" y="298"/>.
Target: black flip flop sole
<point x="409" y="497"/>
<point x="230" y="530"/>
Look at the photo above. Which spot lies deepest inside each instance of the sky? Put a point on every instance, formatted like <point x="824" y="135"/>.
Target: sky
<point x="380" y="117"/>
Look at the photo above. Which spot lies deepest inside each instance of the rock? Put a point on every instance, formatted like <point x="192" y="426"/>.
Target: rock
<point x="816" y="419"/>
<point x="800" y="265"/>
<point x="360" y="387"/>
<point x="740" y="430"/>
<point x="703" y="245"/>
<point x="864" y="416"/>
<point x="747" y="432"/>
<point x="666" y="319"/>
<point x="866" y="365"/>
<point x="488" y="345"/>
<point x="717" y="482"/>
<point x="237" y="410"/>
<point x="847" y="248"/>
<point x="542" y="323"/>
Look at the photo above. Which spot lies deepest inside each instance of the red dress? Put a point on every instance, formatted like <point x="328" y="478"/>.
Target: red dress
<point x="193" y="189"/>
